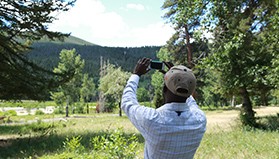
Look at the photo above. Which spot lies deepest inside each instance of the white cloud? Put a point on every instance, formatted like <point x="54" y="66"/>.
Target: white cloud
<point x="153" y="34"/>
<point x="90" y="21"/>
<point x="138" y="7"/>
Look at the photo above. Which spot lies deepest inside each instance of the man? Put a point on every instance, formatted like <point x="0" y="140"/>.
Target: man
<point x="175" y="130"/>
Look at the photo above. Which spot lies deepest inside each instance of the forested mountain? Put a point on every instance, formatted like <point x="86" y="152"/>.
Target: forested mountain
<point x="46" y="54"/>
<point x="67" y="40"/>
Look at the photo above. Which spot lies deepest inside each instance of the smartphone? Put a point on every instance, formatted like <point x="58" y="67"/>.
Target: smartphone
<point x="158" y="65"/>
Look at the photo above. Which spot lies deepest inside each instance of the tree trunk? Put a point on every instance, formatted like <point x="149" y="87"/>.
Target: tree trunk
<point x="120" y="110"/>
<point x="247" y="112"/>
<point x="189" y="47"/>
<point x="233" y="101"/>
<point x="87" y="108"/>
<point x="67" y="110"/>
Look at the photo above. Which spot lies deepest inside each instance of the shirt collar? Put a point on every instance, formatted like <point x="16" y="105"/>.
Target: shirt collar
<point x="174" y="107"/>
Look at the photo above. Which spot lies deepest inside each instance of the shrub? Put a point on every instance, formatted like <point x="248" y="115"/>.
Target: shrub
<point x="39" y="112"/>
<point x="10" y="113"/>
<point x="110" y="145"/>
<point x="73" y="145"/>
<point x="2" y="113"/>
<point x="59" y="110"/>
<point x="115" y="145"/>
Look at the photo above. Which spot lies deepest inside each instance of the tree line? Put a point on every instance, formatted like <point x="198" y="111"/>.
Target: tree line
<point x="46" y="55"/>
<point x="238" y="62"/>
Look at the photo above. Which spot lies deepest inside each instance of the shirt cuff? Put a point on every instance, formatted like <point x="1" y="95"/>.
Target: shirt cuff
<point x="135" y="78"/>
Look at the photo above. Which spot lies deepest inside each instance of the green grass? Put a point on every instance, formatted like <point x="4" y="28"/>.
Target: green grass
<point x="27" y="104"/>
<point x="239" y="143"/>
<point x="46" y="139"/>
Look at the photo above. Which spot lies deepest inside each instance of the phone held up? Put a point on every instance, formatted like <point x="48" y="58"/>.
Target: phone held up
<point x="158" y="65"/>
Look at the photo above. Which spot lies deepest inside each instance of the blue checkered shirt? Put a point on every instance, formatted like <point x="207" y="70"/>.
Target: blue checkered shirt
<point x="173" y="131"/>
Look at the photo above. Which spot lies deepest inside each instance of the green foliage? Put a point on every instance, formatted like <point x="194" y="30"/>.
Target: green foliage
<point x="158" y="83"/>
<point x="270" y="123"/>
<point x="10" y="113"/>
<point x="70" y="91"/>
<point x="112" y="85"/>
<point x="88" y="88"/>
<point x="1" y="113"/>
<point x="20" y="24"/>
<point x="59" y="110"/>
<point x="39" y="112"/>
<point x="143" y="94"/>
<point x="115" y="145"/>
<point x="73" y="145"/>
<point x="111" y="145"/>
<point x="273" y="74"/>
<point x="186" y="17"/>
<point x="59" y="99"/>
<point x="242" y="51"/>
<point x="79" y="108"/>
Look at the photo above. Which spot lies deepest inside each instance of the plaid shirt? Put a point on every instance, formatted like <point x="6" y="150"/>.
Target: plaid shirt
<point x="173" y="131"/>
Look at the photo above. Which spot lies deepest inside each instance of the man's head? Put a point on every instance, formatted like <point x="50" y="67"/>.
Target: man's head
<point x="180" y="81"/>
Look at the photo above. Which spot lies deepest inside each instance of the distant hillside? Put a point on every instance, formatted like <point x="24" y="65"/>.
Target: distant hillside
<point x="67" y="40"/>
<point x="46" y="54"/>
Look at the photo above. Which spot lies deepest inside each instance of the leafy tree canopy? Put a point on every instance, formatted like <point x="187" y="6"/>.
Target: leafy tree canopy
<point x="22" y="22"/>
<point x="112" y="84"/>
<point x="244" y="49"/>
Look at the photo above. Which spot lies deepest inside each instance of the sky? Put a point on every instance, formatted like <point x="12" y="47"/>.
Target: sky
<point x="116" y="23"/>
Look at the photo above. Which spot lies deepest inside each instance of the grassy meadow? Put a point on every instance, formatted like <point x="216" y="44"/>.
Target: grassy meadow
<point x="73" y="137"/>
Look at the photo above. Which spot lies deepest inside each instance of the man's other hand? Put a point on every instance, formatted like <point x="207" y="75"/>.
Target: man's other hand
<point x="169" y="65"/>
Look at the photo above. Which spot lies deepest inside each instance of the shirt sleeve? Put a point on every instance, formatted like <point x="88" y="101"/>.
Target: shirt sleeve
<point x="139" y="115"/>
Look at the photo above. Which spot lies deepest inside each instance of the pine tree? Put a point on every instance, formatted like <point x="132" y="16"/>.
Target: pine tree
<point x="23" y="22"/>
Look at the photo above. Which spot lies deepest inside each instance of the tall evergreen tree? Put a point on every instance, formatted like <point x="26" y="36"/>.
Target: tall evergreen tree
<point x="243" y="47"/>
<point x="186" y="17"/>
<point x="22" y="22"/>
<point x="70" y="60"/>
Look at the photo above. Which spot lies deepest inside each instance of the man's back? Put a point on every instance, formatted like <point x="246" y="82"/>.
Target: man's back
<point x="176" y="132"/>
<point x="171" y="131"/>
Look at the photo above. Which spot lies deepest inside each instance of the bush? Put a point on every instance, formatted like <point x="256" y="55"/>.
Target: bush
<point x="39" y="112"/>
<point x="110" y="145"/>
<point x="10" y="113"/>
<point x="80" y="108"/>
<point x="73" y="145"/>
<point x="270" y="123"/>
<point x="2" y="113"/>
<point x="59" y="111"/>
<point x="115" y="145"/>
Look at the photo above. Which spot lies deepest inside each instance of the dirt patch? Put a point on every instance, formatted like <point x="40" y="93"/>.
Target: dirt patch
<point x="226" y="120"/>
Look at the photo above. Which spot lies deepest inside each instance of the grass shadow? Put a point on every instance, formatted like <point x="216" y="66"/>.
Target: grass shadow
<point x="10" y="129"/>
<point x="269" y="123"/>
<point x="35" y="146"/>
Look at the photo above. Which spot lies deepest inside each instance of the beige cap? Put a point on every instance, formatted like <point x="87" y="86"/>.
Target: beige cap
<point x="180" y="80"/>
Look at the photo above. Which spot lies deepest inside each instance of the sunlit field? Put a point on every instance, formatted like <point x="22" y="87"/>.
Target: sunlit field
<point x="225" y="138"/>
